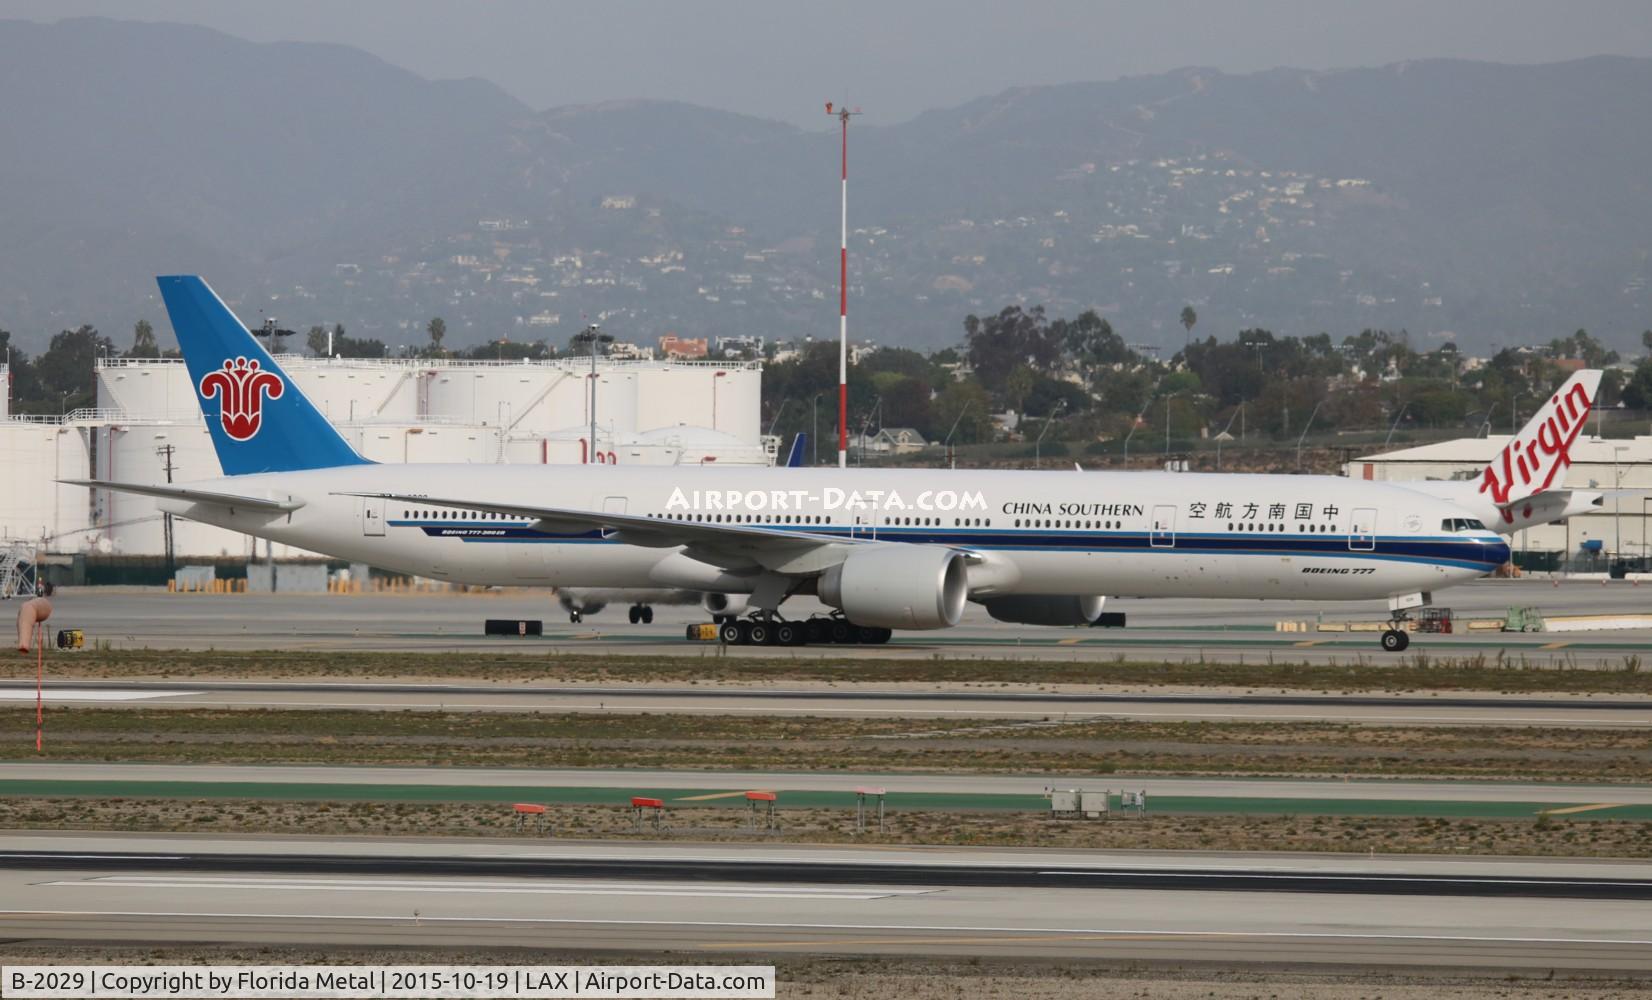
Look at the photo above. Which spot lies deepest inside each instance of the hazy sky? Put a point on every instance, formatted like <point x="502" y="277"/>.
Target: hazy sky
<point x="895" y="57"/>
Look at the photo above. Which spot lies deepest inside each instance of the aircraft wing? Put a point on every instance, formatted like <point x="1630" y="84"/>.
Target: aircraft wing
<point x="165" y="492"/>
<point x="774" y="547"/>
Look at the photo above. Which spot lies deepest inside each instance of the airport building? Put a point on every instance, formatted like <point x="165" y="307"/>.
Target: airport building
<point x="147" y="427"/>
<point x="1619" y="528"/>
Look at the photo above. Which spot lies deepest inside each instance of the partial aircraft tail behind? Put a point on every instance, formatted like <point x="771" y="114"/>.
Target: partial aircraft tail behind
<point x="1535" y="460"/>
<point x="794" y="458"/>
<point x="260" y="421"/>
<point x="1525" y="483"/>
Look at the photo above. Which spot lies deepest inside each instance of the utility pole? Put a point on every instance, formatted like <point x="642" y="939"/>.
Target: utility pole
<point x="843" y="114"/>
<point x="593" y="336"/>
<point x="166" y="452"/>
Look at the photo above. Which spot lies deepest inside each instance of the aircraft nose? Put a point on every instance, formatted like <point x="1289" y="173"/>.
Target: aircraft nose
<point x="1494" y="548"/>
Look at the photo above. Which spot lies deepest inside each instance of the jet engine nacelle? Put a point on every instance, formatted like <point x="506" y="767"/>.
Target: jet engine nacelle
<point x="906" y="586"/>
<point x="724" y="604"/>
<point x="1042" y="609"/>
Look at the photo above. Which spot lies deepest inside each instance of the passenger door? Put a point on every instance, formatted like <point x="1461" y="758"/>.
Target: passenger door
<point x="372" y="516"/>
<point x="612" y="505"/>
<point x="1362" y="530"/>
<point x="1163" y="533"/>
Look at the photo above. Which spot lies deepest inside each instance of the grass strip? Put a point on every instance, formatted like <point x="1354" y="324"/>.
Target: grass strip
<point x="1415" y="672"/>
<point x="825" y="745"/>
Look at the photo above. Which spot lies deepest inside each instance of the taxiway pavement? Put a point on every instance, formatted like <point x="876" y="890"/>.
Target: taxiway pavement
<point x="860" y="701"/>
<point x="1173" y="629"/>
<point x="765" y="900"/>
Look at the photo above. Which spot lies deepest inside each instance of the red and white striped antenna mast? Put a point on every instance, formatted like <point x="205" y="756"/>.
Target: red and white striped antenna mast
<point x="843" y="115"/>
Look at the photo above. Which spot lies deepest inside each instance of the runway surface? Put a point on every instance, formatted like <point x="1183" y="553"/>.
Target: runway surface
<point x="862" y="701"/>
<point x="1366" y="911"/>
<point x="1174" y="629"/>
<point x="682" y="789"/>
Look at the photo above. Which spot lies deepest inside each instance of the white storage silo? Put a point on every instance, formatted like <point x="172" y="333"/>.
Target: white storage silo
<point x="491" y="394"/>
<point x="457" y="444"/>
<point x="348" y="389"/>
<point x="143" y="387"/>
<point x="33" y="504"/>
<point x="135" y="451"/>
<point x="722" y="398"/>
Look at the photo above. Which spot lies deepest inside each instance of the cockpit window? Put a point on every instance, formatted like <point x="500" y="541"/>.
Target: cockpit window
<point x="1455" y="524"/>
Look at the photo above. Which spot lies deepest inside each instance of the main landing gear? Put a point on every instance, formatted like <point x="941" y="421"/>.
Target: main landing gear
<point x="761" y="631"/>
<point x="641" y="614"/>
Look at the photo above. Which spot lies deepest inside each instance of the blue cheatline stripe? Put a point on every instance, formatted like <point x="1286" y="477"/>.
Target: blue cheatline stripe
<point x="1430" y="550"/>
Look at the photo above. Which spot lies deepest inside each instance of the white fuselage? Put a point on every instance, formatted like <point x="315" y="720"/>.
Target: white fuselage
<point x="1090" y="533"/>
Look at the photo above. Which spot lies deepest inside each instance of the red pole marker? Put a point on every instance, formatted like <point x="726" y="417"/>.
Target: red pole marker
<point x="843" y="114"/>
<point x="39" y="687"/>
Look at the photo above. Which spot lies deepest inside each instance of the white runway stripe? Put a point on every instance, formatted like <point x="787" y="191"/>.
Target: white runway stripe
<point x="560" y="888"/>
<point x="100" y="694"/>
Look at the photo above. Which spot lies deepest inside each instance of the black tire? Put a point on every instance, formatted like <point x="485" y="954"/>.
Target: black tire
<point x="575" y="617"/>
<point x="788" y="634"/>
<point x="815" y="632"/>
<point x="635" y="614"/>
<point x="647" y="614"/>
<point x="841" y="632"/>
<point x="882" y="635"/>
<point x="1393" y="640"/>
<point x="761" y="632"/>
<point x="729" y="632"/>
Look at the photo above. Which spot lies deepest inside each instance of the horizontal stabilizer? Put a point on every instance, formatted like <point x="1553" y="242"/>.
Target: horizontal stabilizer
<point x="188" y="495"/>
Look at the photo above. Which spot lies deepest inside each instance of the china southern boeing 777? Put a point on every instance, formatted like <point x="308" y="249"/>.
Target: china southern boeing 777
<point x="888" y="549"/>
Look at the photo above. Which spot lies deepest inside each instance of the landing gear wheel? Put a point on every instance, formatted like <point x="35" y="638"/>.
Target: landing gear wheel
<point x="745" y="632"/>
<point x="761" y="632"/>
<point x="880" y="635"/>
<point x="788" y="634"/>
<point x="1395" y="641"/>
<point x="575" y="617"/>
<point x="635" y="614"/>
<point x="815" y="632"/>
<point x="841" y="632"/>
<point x="729" y="632"/>
<point x="647" y="614"/>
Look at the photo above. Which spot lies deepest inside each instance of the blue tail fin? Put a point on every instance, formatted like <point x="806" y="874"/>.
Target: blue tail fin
<point x="260" y="420"/>
<point x="794" y="458"/>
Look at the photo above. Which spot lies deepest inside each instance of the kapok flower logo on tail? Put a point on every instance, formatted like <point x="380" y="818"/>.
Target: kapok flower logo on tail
<point x="241" y="388"/>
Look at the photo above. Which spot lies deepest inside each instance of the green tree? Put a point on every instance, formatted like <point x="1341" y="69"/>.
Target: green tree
<point x="1189" y="319"/>
<point x="316" y="341"/>
<point x="437" y="329"/>
<point x="1012" y="338"/>
<point x="967" y="404"/>
<point x="66" y="369"/>
<point x="144" y="344"/>
<point x="1018" y="383"/>
<point x="26" y="396"/>
<point x="1580" y="345"/>
<point x="350" y="347"/>
<point x="1637" y="392"/>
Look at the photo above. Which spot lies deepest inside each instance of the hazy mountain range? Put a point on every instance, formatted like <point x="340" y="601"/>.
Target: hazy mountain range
<point x="1496" y="204"/>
